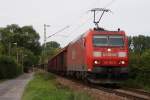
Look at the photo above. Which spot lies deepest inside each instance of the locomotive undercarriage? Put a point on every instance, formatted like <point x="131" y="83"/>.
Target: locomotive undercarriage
<point x="102" y="75"/>
<point x="108" y="74"/>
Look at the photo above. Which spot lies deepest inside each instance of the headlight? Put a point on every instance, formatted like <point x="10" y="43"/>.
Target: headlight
<point x="122" y="62"/>
<point x="97" y="54"/>
<point x="97" y="62"/>
<point x="122" y="54"/>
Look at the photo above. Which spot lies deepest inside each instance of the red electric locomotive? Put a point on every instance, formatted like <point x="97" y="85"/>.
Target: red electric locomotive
<point x="98" y="55"/>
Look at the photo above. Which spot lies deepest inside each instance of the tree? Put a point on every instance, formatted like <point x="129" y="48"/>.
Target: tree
<point x="32" y="39"/>
<point x="29" y="59"/>
<point x="8" y="67"/>
<point x="51" y="49"/>
<point x="141" y="43"/>
<point x="145" y="60"/>
<point x="52" y="44"/>
<point x="25" y="37"/>
<point x="19" y="41"/>
<point x="1" y="48"/>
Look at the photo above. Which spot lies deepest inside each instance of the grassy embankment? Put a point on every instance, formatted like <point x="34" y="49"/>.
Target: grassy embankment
<point x="138" y="79"/>
<point x="136" y="84"/>
<point x="45" y="87"/>
<point x="140" y="83"/>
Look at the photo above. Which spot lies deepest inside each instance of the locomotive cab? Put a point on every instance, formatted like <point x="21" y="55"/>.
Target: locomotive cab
<point x="110" y="56"/>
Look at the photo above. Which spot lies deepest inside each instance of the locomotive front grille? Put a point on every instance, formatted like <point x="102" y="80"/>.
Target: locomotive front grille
<point x="110" y="69"/>
<point x="110" y="72"/>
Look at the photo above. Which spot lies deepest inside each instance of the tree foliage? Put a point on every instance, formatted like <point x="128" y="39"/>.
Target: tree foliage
<point x="140" y="43"/>
<point x="50" y="50"/>
<point x="145" y="60"/>
<point x="52" y="44"/>
<point x="9" y="67"/>
<point x="140" y="60"/>
<point x="141" y="52"/>
<point x="1" y="48"/>
<point x="24" y="36"/>
<point x="30" y="59"/>
<point x="16" y="42"/>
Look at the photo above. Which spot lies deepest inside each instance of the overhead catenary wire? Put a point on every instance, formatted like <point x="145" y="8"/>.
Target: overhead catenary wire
<point x="81" y="17"/>
<point x="71" y="25"/>
<point x="85" y="20"/>
<point x="89" y="18"/>
<point x="110" y="3"/>
<point x="59" y="31"/>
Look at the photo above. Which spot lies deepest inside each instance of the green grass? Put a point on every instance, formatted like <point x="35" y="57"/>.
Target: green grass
<point x="45" y="87"/>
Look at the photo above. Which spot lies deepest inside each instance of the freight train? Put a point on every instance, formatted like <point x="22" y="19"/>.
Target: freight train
<point x="98" y="55"/>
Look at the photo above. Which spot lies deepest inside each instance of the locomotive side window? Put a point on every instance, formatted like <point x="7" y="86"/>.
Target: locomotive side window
<point x="100" y="40"/>
<point x="116" y="41"/>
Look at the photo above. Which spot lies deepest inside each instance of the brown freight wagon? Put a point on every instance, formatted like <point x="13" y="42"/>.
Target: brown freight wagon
<point x="58" y="63"/>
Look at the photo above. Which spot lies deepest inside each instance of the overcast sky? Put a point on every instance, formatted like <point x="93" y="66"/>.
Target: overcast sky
<point x="132" y="16"/>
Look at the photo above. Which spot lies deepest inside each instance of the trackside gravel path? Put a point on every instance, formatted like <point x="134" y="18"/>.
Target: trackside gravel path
<point x="13" y="89"/>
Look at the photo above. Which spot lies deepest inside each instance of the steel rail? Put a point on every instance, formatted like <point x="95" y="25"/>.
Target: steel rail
<point x="127" y="93"/>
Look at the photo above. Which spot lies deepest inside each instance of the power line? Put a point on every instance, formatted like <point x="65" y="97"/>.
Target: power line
<point x="89" y="18"/>
<point x="110" y="3"/>
<point x="107" y="5"/>
<point x="58" y="31"/>
<point x="81" y="17"/>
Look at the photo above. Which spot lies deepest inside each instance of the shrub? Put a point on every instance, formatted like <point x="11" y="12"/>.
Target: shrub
<point x="8" y="67"/>
<point x="145" y="61"/>
<point x="140" y="69"/>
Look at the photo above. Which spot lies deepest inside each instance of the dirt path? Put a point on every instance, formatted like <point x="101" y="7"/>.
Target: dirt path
<point x="13" y="89"/>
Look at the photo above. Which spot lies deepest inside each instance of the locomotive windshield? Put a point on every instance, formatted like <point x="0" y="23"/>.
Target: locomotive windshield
<point x="108" y="40"/>
<point x="100" y="40"/>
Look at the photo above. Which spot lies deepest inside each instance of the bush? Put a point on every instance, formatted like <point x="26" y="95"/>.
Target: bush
<point x="145" y="61"/>
<point x="139" y="69"/>
<point x="139" y="63"/>
<point x="8" y="67"/>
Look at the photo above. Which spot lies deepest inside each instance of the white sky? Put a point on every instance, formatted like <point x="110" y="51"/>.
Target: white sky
<point x="129" y="15"/>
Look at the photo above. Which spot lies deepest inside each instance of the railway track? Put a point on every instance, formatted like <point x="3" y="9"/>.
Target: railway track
<point x="138" y="91"/>
<point x="129" y="93"/>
